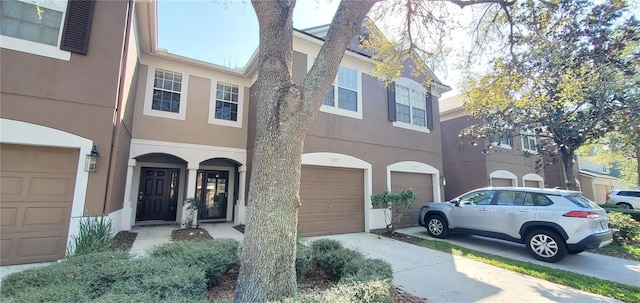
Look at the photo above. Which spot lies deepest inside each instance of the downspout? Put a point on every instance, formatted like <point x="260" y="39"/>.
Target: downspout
<point x="119" y="98"/>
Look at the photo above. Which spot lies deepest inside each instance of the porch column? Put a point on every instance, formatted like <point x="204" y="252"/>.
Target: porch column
<point x="240" y="208"/>
<point x="192" y="175"/>
<point x="127" y="208"/>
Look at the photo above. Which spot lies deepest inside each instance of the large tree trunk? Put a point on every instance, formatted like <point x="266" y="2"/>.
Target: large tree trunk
<point x="637" y="150"/>
<point x="567" y="156"/>
<point x="284" y="113"/>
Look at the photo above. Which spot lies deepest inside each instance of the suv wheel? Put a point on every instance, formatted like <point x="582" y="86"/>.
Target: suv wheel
<point x="625" y="205"/>
<point x="546" y="245"/>
<point x="437" y="226"/>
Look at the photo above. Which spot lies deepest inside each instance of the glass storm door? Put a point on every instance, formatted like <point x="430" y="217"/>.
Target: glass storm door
<point x="157" y="197"/>
<point x="212" y="190"/>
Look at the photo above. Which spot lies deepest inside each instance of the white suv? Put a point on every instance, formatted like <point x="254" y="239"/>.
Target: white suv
<point x="550" y="222"/>
<point x="627" y="198"/>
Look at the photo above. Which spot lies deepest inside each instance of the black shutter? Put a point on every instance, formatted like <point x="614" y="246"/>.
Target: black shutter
<point x="77" y="26"/>
<point x="391" y="99"/>
<point x="429" y="115"/>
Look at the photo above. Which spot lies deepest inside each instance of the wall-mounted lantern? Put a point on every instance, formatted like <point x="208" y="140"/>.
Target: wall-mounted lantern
<point x="443" y="181"/>
<point x="91" y="164"/>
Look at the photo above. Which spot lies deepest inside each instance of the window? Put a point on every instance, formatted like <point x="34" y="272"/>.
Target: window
<point x="410" y="106"/>
<point x="478" y="198"/>
<point x="166" y="93"/>
<point x="343" y="96"/>
<point x="225" y="107"/>
<point x="50" y="28"/>
<point x="501" y="141"/>
<point x="529" y="142"/>
<point x="227" y="102"/>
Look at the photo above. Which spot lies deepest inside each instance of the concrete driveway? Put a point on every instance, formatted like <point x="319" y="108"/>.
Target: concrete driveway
<point x="442" y="277"/>
<point x="585" y="263"/>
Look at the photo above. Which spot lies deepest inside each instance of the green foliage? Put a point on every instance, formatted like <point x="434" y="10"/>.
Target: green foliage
<point x="399" y="203"/>
<point x="370" y="292"/>
<point x="323" y="246"/>
<point x="334" y="262"/>
<point x="305" y="263"/>
<point x="193" y="206"/>
<point x="625" y="229"/>
<point x="214" y="257"/>
<point x="96" y="235"/>
<point x="113" y="275"/>
<point x="617" y="150"/>
<point x="363" y="270"/>
<point x="634" y="213"/>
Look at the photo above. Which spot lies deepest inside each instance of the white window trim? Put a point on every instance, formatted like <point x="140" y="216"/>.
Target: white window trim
<point x="524" y="136"/>
<point x="501" y="145"/>
<point x="148" y="98"/>
<point x="344" y="112"/>
<point x="413" y="85"/>
<point x="36" y="48"/>
<point x="212" y="106"/>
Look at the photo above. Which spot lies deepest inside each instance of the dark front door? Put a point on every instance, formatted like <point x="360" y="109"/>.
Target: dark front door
<point x="212" y="186"/>
<point x="158" y="194"/>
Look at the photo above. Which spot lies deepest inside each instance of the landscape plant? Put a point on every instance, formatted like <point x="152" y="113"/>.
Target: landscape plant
<point x="394" y="205"/>
<point x="626" y="230"/>
<point x="193" y="207"/>
<point x="95" y="235"/>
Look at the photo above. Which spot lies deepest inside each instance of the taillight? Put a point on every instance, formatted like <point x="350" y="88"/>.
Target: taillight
<point x="582" y="214"/>
<point x="607" y="196"/>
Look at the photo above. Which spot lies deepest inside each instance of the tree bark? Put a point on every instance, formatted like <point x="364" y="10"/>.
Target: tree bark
<point x="285" y="111"/>
<point x="567" y="156"/>
<point x="637" y="150"/>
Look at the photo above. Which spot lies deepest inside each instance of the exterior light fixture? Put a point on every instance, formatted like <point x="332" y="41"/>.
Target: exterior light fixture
<point x="91" y="164"/>
<point x="443" y="181"/>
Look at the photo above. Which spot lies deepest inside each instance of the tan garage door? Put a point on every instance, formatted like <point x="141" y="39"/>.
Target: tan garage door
<point x="422" y="184"/>
<point x="37" y="194"/>
<point x="501" y="182"/>
<point x="531" y="183"/>
<point x="332" y="201"/>
<point x="601" y="193"/>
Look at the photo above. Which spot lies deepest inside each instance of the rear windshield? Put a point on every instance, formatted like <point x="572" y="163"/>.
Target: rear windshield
<point x="582" y="201"/>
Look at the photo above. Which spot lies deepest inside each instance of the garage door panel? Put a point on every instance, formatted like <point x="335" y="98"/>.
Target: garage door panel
<point x="531" y="183"/>
<point x="501" y="182"/>
<point x="422" y="185"/>
<point x="36" y="203"/>
<point x="332" y="200"/>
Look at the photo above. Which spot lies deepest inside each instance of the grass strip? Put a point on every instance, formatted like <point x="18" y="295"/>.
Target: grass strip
<point x="619" y="291"/>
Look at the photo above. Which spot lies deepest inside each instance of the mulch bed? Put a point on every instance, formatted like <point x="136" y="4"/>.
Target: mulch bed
<point x="123" y="240"/>
<point x="190" y="234"/>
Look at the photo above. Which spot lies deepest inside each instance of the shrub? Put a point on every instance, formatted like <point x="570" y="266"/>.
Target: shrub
<point x="53" y="293"/>
<point x="370" y="292"/>
<point x="96" y="235"/>
<point x="333" y="262"/>
<point x="322" y="246"/>
<point x="634" y="213"/>
<point x="305" y="264"/>
<point x="625" y="229"/>
<point x="363" y="270"/>
<point x="215" y="257"/>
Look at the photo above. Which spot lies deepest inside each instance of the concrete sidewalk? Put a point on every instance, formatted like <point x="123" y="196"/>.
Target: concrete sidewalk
<point x="442" y="277"/>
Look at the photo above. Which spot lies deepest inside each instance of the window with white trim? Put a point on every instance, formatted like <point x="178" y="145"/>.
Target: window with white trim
<point x="167" y="87"/>
<point x="529" y="142"/>
<point x="343" y="96"/>
<point x="226" y="102"/>
<point x="410" y="106"/>
<point x="166" y="95"/>
<point x="501" y="141"/>
<point x="32" y="28"/>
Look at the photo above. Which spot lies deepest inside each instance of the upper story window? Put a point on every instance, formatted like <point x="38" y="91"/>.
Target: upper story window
<point x="226" y="107"/>
<point x="167" y="86"/>
<point x="410" y="105"/>
<point x="50" y="28"/>
<point x="343" y="97"/>
<point x="166" y="94"/>
<point x="529" y="142"/>
<point x="501" y="141"/>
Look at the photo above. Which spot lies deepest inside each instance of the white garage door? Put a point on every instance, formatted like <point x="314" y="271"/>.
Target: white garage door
<point x="37" y="195"/>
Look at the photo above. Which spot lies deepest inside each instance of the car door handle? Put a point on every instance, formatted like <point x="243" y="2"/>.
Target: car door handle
<point x="482" y="209"/>
<point x="524" y="210"/>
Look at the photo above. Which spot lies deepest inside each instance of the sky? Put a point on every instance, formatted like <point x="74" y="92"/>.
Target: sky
<point x="226" y="31"/>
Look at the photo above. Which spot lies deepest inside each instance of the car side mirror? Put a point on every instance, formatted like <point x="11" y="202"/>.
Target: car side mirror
<point x="456" y="202"/>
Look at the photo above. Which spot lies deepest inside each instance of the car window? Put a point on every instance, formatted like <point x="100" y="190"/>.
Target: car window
<point x="629" y="194"/>
<point x="482" y="197"/>
<point x="512" y="198"/>
<point x="582" y="201"/>
<point x="541" y="200"/>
